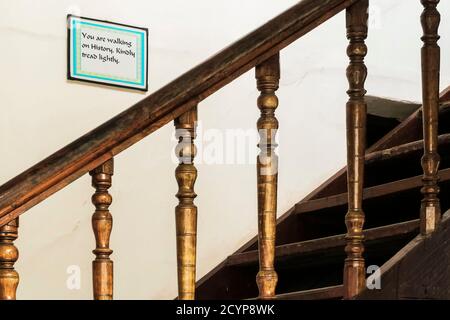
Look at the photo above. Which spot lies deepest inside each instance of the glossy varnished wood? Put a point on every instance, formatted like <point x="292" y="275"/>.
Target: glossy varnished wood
<point x="9" y="278"/>
<point x="186" y="211"/>
<point x="369" y="193"/>
<point x="267" y="77"/>
<point x="354" y="270"/>
<point x="102" y="221"/>
<point x="430" y="211"/>
<point x="161" y="107"/>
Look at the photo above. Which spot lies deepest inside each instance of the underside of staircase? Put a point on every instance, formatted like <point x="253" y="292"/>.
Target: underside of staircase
<point x="311" y="235"/>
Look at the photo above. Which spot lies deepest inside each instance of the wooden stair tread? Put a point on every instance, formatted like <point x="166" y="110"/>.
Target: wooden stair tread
<point x="419" y="270"/>
<point x="369" y="193"/>
<point x="333" y="292"/>
<point x="327" y="243"/>
<point x="390" y="108"/>
<point x="229" y="279"/>
<point x="402" y="149"/>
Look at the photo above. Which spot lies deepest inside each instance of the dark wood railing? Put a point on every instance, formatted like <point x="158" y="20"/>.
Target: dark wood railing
<point x="93" y="153"/>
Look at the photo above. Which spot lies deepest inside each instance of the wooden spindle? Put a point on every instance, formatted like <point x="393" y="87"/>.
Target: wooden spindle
<point x="186" y="211"/>
<point x="356" y="22"/>
<point x="430" y="213"/>
<point x="102" y="266"/>
<point x="9" y="278"/>
<point x="267" y="76"/>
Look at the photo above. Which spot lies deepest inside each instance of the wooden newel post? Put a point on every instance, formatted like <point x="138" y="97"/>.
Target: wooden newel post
<point x="9" y="278"/>
<point x="267" y="76"/>
<point x="430" y="212"/>
<point x="354" y="269"/>
<point x="186" y="211"/>
<point x="102" y="266"/>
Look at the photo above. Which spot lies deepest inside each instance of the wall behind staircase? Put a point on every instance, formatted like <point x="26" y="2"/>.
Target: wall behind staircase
<point x="41" y="112"/>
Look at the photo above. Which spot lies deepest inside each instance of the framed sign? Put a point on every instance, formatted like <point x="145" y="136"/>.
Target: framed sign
<point x="106" y="52"/>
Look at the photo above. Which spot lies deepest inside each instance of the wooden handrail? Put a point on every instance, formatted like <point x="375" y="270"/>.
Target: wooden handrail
<point x="99" y="145"/>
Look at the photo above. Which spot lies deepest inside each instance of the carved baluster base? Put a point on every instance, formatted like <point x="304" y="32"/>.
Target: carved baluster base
<point x="9" y="278"/>
<point x="102" y="266"/>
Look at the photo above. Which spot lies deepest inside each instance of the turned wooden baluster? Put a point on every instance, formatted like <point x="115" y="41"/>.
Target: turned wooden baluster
<point x="186" y="211"/>
<point x="267" y="76"/>
<point x="9" y="278"/>
<point x="102" y="266"/>
<point x="430" y="213"/>
<point x="354" y="272"/>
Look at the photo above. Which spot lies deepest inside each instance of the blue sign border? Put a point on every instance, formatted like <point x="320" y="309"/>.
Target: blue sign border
<point x="72" y="27"/>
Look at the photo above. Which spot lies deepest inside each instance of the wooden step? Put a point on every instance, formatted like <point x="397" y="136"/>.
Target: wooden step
<point x="326" y="245"/>
<point x="369" y="193"/>
<point x="444" y="96"/>
<point x="238" y="281"/>
<point x="403" y="149"/>
<point x="390" y="108"/>
<point x="385" y="165"/>
<point x="407" y="131"/>
<point x="326" y="293"/>
<point x="400" y="162"/>
<point x="419" y="270"/>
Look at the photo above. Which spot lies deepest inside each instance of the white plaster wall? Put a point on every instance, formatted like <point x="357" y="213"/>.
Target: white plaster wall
<point x="41" y="112"/>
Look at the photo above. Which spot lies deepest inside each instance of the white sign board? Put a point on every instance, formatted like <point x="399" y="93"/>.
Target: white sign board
<point x="108" y="53"/>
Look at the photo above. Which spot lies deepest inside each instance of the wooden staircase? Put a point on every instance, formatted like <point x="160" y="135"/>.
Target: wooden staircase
<point x="393" y="185"/>
<point x="311" y="236"/>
